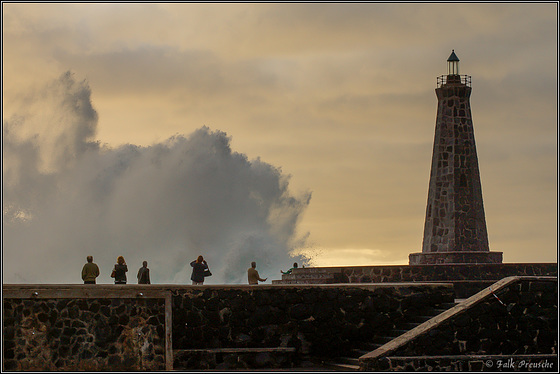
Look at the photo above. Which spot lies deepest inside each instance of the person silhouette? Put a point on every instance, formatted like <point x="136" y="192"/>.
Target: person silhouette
<point x="144" y="274"/>
<point x="289" y="271"/>
<point x="90" y="271"/>
<point x="199" y="267"/>
<point x="119" y="271"/>
<point x="253" y="275"/>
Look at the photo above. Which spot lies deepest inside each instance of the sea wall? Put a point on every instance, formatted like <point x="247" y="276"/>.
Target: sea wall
<point x="139" y="327"/>
<point x="316" y="320"/>
<point x="515" y="321"/>
<point x="445" y="272"/>
<point x="83" y="329"/>
<point x="468" y="279"/>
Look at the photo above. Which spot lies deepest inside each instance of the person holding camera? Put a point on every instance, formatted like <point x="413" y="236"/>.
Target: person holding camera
<point x="200" y="270"/>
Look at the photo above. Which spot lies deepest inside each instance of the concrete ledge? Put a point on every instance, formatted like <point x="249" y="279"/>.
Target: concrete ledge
<point x="30" y="291"/>
<point x="87" y="291"/>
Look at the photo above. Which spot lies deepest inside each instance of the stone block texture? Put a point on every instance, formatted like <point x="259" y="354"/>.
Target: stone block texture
<point x="467" y="279"/>
<point x="83" y="334"/>
<point x="455" y="222"/>
<point x="519" y="321"/>
<point x="319" y="321"/>
<point x="110" y="332"/>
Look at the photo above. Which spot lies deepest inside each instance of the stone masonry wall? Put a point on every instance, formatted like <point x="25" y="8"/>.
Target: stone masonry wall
<point x="520" y="319"/>
<point x="319" y="321"/>
<point x="83" y="334"/>
<point x="137" y="327"/>
<point x="467" y="278"/>
<point x="455" y="218"/>
<point x="443" y="273"/>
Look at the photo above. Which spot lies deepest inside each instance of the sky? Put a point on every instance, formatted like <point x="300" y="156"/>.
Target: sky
<point x="269" y="132"/>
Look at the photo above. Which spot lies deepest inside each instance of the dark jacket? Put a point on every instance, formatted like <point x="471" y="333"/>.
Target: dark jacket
<point x="143" y="275"/>
<point x="120" y="273"/>
<point x="198" y="271"/>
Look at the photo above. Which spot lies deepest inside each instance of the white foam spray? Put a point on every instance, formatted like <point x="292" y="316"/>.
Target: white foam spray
<point x="66" y="196"/>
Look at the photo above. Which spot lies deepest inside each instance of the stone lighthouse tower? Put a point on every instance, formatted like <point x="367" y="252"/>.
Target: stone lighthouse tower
<point x="455" y="225"/>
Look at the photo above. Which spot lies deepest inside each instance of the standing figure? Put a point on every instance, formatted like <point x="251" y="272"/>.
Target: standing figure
<point x="199" y="267"/>
<point x="253" y="274"/>
<point x="119" y="271"/>
<point x="144" y="274"/>
<point x="90" y="271"/>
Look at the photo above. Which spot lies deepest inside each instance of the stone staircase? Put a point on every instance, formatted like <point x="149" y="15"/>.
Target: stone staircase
<point x="489" y="322"/>
<point x="351" y="362"/>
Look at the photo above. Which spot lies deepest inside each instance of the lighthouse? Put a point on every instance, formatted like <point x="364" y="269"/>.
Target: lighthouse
<point x="455" y="225"/>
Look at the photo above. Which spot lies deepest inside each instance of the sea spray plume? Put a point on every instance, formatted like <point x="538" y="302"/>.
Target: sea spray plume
<point x="166" y="203"/>
<point x="61" y="121"/>
<point x="54" y="126"/>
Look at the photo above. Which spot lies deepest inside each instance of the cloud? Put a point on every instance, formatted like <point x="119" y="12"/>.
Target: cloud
<point x="153" y="71"/>
<point x="165" y="203"/>
<point x="339" y="95"/>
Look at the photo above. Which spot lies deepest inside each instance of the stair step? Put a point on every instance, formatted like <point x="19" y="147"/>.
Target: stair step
<point x="384" y="339"/>
<point x="371" y="346"/>
<point x="360" y="352"/>
<point x="447" y="305"/>
<point x="411" y="325"/>
<point x="438" y="311"/>
<point x="349" y="360"/>
<point x="420" y="319"/>
<point x="342" y="367"/>
<point x="353" y="363"/>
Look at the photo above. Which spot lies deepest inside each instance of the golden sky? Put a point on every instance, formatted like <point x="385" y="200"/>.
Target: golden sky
<point x="339" y="96"/>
